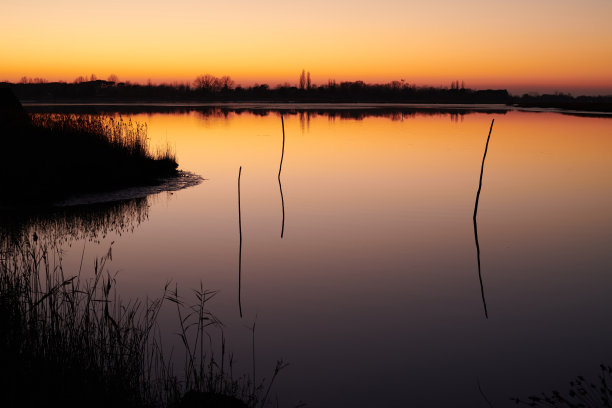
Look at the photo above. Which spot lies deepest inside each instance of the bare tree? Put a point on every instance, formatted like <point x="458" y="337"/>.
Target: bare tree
<point x="303" y="80"/>
<point x="211" y="83"/>
<point x="227" y="82"/>
<point x="206" y="82"/>
<point x="308" y="80"/>
<point x="113" y="78"/>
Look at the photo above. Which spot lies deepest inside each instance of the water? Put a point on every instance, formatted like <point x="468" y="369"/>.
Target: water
<point x="372" y="294"/>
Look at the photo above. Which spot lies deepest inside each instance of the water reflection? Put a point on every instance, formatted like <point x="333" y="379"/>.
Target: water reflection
<point x="240" y="248"/>
<point x="67" y="224"/>
<point x="304" y="112"/>
<point x="482" y="293"/>
<point x="304" y="120"/>
<point x="373" y="291"/>
<point x="280" y="186"/>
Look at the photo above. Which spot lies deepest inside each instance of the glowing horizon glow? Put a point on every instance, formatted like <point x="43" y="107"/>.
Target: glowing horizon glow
<point x="545" y="46"/>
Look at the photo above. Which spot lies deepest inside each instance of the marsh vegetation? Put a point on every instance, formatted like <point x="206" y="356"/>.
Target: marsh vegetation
<point x="46" y="157"/>
<point x="69" y="336"/>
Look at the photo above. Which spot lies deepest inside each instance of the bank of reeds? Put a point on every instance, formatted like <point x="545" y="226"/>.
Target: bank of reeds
<point x="127" y="137"/>
<point x="52" y="156"/>
<point x="67" y="340"/>
<point x="582" y="393"/>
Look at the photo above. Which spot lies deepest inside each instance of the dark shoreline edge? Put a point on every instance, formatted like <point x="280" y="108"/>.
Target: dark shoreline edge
<point x="181" y="181"/>
<point x="265" y="107"/>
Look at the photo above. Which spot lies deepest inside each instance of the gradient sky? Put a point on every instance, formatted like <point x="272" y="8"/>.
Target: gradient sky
<point x="521" y="45"/>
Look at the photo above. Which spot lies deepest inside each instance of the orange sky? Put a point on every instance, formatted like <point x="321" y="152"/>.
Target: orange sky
<point x="521" y="45"/>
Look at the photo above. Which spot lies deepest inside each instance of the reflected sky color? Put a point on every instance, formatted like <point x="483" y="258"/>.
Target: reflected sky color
<point x="523" y="45"/>
<point x="373" y="290"/>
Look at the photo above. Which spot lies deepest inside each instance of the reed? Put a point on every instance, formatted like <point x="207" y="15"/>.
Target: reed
<point x="127" y="137"/>
<point x="70" y="340"/>
<point x="582" y="393"/>
<point x="56" y="155"/>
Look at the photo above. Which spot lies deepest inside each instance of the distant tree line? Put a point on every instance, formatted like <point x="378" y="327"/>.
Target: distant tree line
<point x="209" y="88"/>
<point x="566" y="101"/>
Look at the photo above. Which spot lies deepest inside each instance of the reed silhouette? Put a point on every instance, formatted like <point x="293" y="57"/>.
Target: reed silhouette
<point x="582" y="393"/>
<point x="68" y="340"/>
<point x="55" y="226"/>
<point x="59" y="155"/>
<point x="482" y="292"/>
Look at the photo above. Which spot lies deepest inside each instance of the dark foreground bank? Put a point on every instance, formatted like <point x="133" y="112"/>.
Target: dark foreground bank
<point x="49" y="157"/>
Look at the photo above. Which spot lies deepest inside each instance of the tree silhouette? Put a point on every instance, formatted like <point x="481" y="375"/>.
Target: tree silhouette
<point x="211" y="83"/>
<point x="209" y="87"/>
<point x="226" y="82"/>
<point x="204" y="82"/>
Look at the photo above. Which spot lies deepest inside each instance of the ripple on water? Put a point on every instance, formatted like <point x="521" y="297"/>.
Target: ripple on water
<point x="183" y="180"/>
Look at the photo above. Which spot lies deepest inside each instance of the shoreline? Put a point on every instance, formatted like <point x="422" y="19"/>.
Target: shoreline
<point x="181" y="181"/>
<point x="34" y="105"/>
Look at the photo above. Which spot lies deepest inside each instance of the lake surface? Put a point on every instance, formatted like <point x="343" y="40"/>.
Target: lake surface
<point x="373" y="294"/>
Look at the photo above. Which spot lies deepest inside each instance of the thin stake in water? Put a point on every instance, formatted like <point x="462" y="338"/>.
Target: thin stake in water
<point x="280" y="186"/>
<point x="484" y="302"/>
<point x="240" y="250"/>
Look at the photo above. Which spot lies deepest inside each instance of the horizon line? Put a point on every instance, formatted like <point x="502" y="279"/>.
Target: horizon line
<point x="460" y="84"/>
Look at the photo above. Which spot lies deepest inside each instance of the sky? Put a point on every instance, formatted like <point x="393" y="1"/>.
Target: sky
<point x="520" y="45"/>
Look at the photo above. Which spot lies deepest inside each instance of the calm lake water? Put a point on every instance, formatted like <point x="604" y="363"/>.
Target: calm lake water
<point x="372" y="294"/>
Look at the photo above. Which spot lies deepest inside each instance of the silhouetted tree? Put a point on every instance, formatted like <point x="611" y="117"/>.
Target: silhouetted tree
<point x="226" y="82"/>
<point x="211" y="83"/>
<point x="308" y="80"/>
<point x="303" y="80"/>
<point x="113" y="78"/>
<point x="37" y="80"/>
<point x="205" y="82"/>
